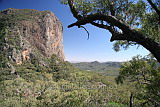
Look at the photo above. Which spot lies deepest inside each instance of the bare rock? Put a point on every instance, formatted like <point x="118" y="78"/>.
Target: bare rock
<point x="31" y="32"/>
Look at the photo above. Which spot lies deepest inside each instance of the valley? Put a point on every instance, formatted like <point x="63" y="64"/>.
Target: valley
<point x="105" y="68"/>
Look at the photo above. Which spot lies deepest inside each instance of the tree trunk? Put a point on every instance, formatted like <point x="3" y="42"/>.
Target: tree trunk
<point x="139" y="38"/>
<point x="131" y="100"/>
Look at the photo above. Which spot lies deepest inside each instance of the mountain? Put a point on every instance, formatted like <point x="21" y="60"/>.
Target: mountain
<point x="107" y="68"/>
<point x="29" y="33"/>
<point x="33" y="71"/>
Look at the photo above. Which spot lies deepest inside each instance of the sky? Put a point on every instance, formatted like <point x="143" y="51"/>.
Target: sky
<point x="76" y="46"/>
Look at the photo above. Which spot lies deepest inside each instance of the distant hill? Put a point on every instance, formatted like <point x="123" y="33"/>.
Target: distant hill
<point x="33" y="71"/>
<point x="107" y="68"/>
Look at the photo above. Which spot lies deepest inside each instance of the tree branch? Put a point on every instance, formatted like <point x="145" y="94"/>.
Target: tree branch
<point x="104" y="27"/>
<point x="127" y="33"/>
<point x="85" y="30"/>
<point x="154" y="7"/>
<point x="73" y="10"/>
<point x="108" y="18"/>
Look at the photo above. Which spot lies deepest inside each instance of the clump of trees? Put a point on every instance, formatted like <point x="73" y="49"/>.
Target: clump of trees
<point x="144" y="73"/>
<point x="130" y="23"/>
<point x="58" y="84"/>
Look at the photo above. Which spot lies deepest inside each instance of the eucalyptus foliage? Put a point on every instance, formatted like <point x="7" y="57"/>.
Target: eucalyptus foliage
<point x="130" y="22"/>
<point x="144" y="73"/>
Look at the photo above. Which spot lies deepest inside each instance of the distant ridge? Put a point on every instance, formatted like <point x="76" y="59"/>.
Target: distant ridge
<point x="109" y="68"/>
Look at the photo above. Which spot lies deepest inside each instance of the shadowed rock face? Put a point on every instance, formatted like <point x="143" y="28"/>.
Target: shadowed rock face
<point x="31" y="32"/>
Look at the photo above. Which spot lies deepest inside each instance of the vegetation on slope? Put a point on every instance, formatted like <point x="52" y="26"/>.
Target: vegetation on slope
<point x="144" y="73"/>
<point x="105" y="68"/>
<point x="58" y="85"/>
<point x="15" y="15"/>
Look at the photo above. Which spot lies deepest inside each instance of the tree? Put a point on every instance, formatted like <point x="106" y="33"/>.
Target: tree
<point x="129" y="22"/>
<point x="144" y="73"/>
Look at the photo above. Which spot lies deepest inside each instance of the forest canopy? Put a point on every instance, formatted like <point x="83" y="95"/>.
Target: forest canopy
<point x="130" y="22"/>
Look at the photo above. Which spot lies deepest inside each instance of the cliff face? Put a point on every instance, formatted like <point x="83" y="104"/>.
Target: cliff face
<point x="28" y="33"/>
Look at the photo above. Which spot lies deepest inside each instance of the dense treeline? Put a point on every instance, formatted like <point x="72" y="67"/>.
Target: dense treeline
<point x="59" y="85"/>
<point x="62" y="85"/>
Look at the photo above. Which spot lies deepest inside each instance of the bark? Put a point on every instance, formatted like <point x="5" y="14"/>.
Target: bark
<point x="131" y="100"/>
<point x="126" y="34"/>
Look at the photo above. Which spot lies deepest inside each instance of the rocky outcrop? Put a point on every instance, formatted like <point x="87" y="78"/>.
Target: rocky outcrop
<point x="30" y="32"/>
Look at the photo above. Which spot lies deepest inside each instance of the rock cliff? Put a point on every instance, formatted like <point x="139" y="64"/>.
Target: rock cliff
<point x="29" y="33"/>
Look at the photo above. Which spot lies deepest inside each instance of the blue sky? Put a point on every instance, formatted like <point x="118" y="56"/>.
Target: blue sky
<point x="76" y="45"/>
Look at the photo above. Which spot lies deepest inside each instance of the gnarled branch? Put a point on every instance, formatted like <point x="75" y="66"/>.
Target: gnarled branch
<point x="73" y="10"/>
<point x="127" y="33"/>
<point x="108" y="18"/>
<point x="85" y="30"/>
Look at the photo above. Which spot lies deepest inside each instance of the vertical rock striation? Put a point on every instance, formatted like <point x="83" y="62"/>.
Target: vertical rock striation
<point x="29" y="32"/>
